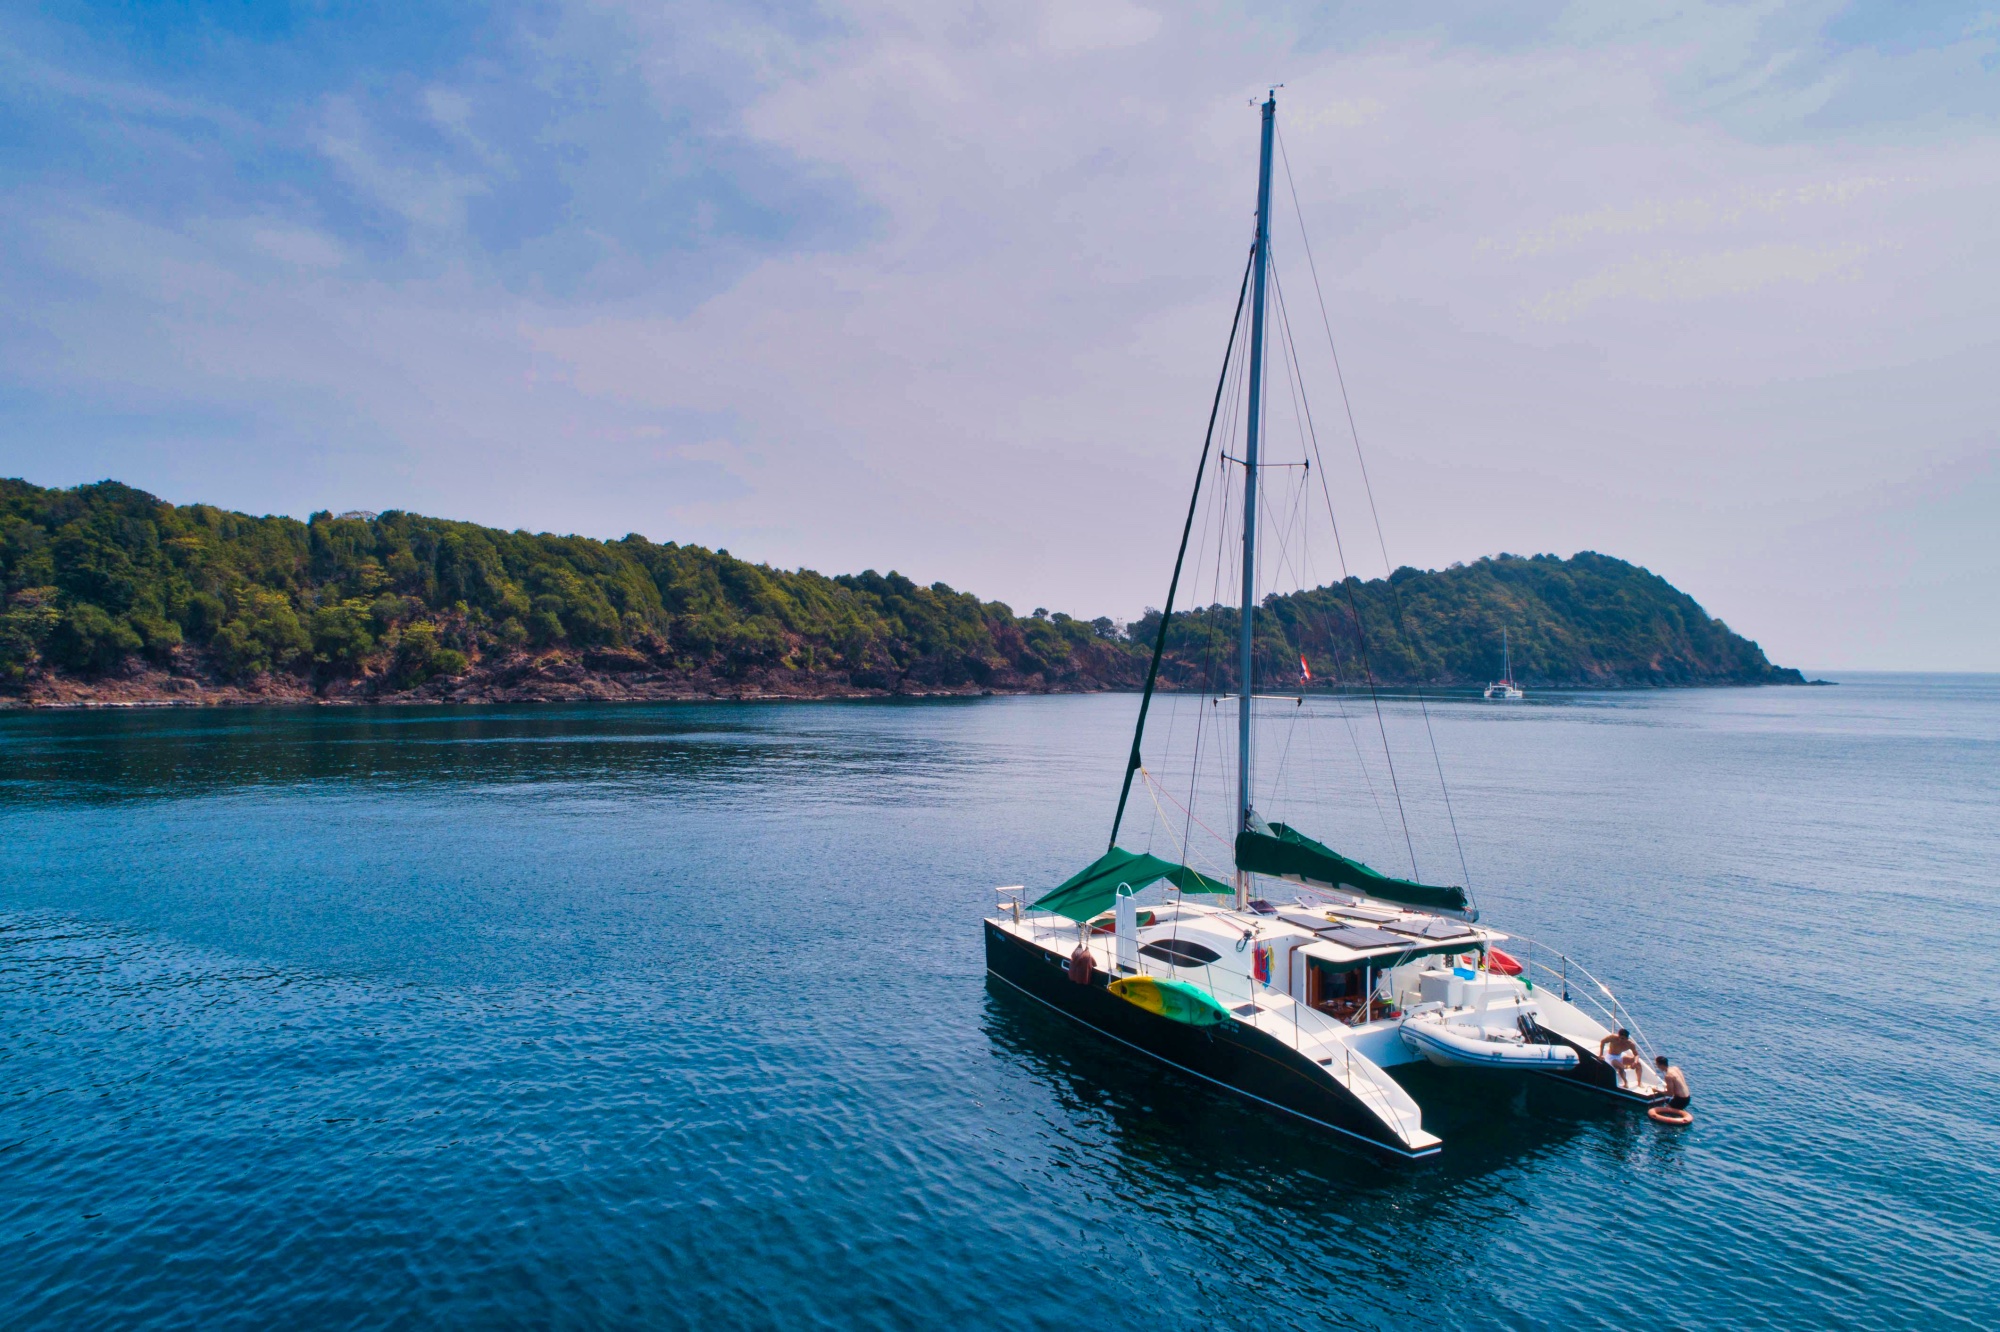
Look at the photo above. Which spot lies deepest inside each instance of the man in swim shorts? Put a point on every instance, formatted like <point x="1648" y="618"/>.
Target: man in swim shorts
<point x="1622" y="1054"/>
<point x="1678" y="1094"/>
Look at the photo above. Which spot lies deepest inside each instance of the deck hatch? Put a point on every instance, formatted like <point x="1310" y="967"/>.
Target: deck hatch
<point x="1432" y="929"/>
<point x="1355" y="936"/>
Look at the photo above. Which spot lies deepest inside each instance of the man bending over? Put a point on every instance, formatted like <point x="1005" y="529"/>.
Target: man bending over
<point x="1678" y="1094"/>
<point x="1623" y="1055"/>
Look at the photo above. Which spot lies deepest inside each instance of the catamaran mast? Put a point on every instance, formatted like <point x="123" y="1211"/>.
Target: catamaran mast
<point x="1247" y="628"/>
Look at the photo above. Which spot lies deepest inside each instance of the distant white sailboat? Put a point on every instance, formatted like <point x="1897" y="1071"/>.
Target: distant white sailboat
<point x="1504" y="687"/>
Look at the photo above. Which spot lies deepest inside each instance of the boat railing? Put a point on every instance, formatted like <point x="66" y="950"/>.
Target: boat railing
<point x="1326" y="1034"/>
<point x="1598" y="996"/>
<point x="1386" y="1089"/>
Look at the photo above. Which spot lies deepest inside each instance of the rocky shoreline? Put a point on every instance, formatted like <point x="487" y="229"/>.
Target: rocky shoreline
<point x="547" y="678"/>
<point x="559" y="677"/>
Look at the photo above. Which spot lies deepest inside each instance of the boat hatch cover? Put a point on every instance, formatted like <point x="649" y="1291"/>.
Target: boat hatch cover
<point x="1353" y="936"/>
<point x="1434" y="928"/>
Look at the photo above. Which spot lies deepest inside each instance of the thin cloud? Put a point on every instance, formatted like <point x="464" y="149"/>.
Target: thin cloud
<point x="1070" y="27"/>
<point x="904" y="286"/>
<point x="1699" y="277"/>
<point x="1694" y="215"/>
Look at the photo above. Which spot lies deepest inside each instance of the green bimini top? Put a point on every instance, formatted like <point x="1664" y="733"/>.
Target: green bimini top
<point x="1284" y="853"/>
<point x="1095" y="887"/>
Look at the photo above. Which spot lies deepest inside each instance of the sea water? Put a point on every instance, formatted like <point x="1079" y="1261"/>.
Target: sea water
<point x="677" y="1015"/>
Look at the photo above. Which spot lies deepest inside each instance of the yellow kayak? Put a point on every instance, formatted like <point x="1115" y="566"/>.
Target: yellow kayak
<point x="1172" y="999"/>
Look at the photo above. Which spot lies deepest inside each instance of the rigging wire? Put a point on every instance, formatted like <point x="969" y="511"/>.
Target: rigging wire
<point x="1316" y="615"/>
<point x="1220" y="501"/>
<point x="1215" y="648"/>
<point x="1369" y="489"/>
<point x="1206" y="678"/>
<point x="1354" y="609"/>
<point x="1294" y="524"/>
<point x="1154" y="785"/>
<point x="1303" y="419"/>
<point x="1232" y="374"/>
<point x="1188" y="858"/>
<point x="1194" y="502"/>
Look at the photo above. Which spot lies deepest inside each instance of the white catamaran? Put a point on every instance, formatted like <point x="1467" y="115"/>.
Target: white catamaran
<point x="1504" y="687"/>
<point x="1309" y="1003"/>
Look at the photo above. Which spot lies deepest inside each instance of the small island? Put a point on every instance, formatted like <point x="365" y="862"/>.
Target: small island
<point x="113" y="596"/>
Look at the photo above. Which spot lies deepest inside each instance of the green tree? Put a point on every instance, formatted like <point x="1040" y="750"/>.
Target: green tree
<point x="421" y="654"/>
<point x="264" y="635"/>
<point x="341" y="637"/>
<point x="88" y="639"/>
<point x="25" y="626"/>
<point x="158" y="635"/>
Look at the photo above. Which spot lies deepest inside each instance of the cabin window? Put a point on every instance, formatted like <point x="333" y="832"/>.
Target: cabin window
<point x="1335" y="987"/>
<point x="1180" y="952"/>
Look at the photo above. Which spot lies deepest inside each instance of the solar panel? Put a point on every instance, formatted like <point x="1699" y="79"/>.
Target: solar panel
<point x="1369" y="914"/>
<point x="1353" y="936"/>
<point x="1432" y="929"/>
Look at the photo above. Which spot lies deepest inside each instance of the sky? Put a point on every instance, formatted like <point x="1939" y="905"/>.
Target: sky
<point x="943" y="287"/>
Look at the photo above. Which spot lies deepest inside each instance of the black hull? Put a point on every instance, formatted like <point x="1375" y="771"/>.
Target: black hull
<point x="1239" y="1058"/>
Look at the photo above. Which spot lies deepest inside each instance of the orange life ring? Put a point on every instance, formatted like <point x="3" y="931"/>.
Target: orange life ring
<point x="1666" y="1114"/>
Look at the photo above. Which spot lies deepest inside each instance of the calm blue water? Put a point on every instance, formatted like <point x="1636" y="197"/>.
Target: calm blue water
<point x="618" y="1016"/>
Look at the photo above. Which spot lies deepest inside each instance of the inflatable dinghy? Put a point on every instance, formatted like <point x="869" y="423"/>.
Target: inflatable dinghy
<point x="1470" y="1047"/>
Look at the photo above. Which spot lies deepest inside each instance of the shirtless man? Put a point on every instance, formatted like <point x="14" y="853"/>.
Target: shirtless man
<point x="1678" y="1094"/>
<point x="1622" y="1054"/>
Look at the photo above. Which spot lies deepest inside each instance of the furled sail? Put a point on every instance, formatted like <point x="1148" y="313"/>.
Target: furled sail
<point x="1095" y="887"/>
<point x="1286" y="854"/>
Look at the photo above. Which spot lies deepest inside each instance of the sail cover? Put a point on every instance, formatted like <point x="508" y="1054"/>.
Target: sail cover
<point x="1284" y="853"/>
<point x="1095" y="887"/>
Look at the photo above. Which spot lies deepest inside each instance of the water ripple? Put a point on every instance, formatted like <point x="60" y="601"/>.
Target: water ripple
<point x="676" y="1016"/>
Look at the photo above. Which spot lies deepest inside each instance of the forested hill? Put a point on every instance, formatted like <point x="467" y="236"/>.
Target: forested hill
<point x="1587" y="620"/>
<point x="113" y="595"/>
